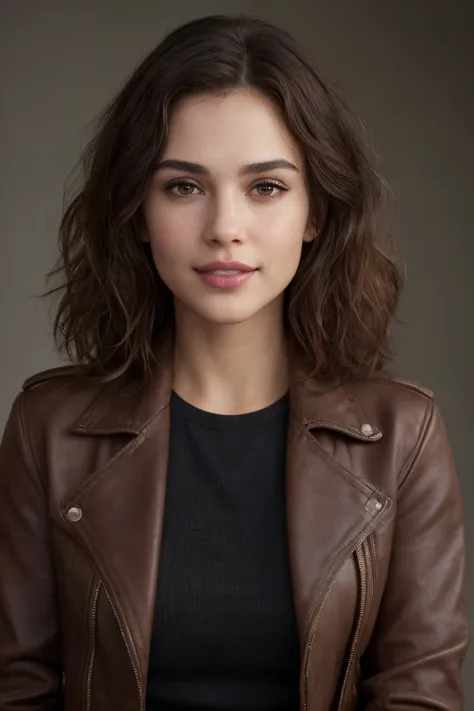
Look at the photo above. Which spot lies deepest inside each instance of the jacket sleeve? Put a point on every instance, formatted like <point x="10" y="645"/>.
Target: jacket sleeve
<point x="414" y="659"/>
<point x="30" y="658"/>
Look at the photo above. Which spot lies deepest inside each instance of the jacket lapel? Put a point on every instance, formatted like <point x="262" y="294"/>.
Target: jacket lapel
<point x="329" y="508"/>
<point x="122" y="503"/>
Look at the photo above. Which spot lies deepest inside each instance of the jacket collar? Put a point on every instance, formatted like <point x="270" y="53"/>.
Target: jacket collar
<point x="327" y="501"/>
<point x="126" y="407"/>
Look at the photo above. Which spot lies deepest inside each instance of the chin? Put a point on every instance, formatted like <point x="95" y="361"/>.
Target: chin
<point x="228" y="315"/>
<point x="229" y="319"/>
<point x="225" y="311"/>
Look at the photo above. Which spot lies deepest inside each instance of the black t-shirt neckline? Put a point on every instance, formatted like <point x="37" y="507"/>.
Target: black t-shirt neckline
<point x="189" y="412"/>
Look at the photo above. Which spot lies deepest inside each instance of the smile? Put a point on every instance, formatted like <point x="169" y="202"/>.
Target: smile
<point x="224" y="271"/>
<point x="226" y="279"/>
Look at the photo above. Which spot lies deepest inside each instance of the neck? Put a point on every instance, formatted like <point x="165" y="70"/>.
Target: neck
<point x="230" y="369"/>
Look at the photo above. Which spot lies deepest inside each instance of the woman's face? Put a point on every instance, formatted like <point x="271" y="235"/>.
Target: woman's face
<point x="226" y="205"/>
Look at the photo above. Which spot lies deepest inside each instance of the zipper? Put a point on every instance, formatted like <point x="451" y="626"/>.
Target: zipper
<point x="375" y="570"/>
<point x="92" y="654"/>
<point x="134" y="666"/>
<point x="366" y="559"/>
<point x="362" y="547"/>
<point x="304" y="690"/>
<point x="355" y="639"/>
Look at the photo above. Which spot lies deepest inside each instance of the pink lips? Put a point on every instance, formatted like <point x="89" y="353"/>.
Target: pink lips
<point x="214" y="274"/>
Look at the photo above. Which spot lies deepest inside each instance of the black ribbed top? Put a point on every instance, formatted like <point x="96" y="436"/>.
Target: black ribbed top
<point x="225" y="635"/>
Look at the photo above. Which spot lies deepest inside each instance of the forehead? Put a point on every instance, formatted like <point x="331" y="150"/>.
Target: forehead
<point x="239" y="127"/>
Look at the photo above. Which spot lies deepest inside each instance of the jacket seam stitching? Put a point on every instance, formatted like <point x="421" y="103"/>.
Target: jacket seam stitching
<point x="96" y="476"/>
<point x="28" y="449"/>
<point x="336" y="466"/>
<point x="88" y="413"/>
<point x="358" y="407"/>
<point x="350" y="398"/>
<point x="424" y="429"/>
<point x="411" y="387"/>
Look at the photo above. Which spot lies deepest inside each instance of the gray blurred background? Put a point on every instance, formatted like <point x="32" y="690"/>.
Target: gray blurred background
<point x="407" y="67"/>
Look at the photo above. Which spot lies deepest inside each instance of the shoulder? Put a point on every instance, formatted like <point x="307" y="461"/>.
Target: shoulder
<point x="413" y="433"/>
<point x="388" y="390"/>
<point x="398" y="386"/>
<point x="57" y="396"/>
<point x="56" y="375"/>
<point x="398" y="407"/>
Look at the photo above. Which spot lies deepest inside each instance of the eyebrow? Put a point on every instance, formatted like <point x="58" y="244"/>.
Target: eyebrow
<point x="250" y="168"/>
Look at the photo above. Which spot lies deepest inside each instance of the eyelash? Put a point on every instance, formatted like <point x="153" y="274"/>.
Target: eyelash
<point x="264" y="183"/>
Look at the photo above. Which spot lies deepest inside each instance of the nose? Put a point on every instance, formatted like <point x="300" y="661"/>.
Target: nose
<point x="225" y="224"/>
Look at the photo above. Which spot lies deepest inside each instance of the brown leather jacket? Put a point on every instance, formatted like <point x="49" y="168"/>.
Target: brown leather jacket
<point x="375" y="538"/>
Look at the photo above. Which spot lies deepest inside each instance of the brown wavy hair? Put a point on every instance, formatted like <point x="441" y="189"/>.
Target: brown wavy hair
<point x="340" y="306"/>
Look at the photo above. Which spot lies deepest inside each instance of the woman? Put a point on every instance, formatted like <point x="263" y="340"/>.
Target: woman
<point x="224" y="502"/>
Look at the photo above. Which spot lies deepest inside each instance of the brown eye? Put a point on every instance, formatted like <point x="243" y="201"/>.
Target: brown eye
<point x="185" y="188"/>
<point x="270" y="189"/>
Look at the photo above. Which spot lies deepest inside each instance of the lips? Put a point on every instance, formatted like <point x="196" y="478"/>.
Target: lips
<point x="226" y="275"/>
<point x="225" y="268"/>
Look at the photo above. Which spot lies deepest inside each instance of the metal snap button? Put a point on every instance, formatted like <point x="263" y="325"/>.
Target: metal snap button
<point x="74" y="514"/>
<point x="367" y="430"/>
<point x="374" y="505"/>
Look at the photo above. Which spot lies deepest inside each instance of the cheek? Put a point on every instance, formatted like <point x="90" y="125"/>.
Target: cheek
<point x="283" y="248"/>
<point x="285" y="238"/>
<point x="286" y="223"/>
<point x="170" y="237"/>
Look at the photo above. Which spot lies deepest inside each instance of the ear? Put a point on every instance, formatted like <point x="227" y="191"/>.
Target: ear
<point x="310" y="234"/>
<point x="311" y="230"/>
